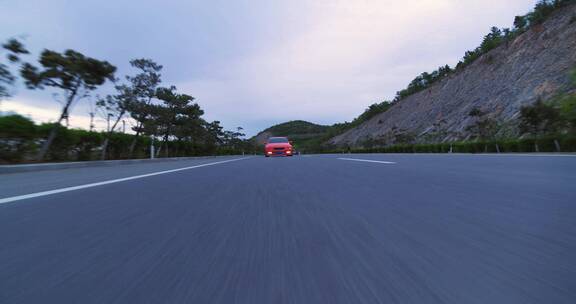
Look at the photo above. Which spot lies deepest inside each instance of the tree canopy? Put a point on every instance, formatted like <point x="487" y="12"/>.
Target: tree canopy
<point x="14" y="48"/>
<point x="73" y="73"/>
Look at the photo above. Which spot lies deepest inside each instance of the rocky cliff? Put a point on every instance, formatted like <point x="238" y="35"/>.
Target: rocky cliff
<point x="536" y="64"/>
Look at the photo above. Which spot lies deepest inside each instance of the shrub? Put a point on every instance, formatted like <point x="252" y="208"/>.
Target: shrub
<point x="16" y="138"/>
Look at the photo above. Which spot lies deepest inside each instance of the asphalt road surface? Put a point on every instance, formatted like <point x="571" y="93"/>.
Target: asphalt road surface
<point x="308" y="229"/>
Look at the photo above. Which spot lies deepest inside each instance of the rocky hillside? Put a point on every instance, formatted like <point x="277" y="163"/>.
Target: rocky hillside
<point x="534" y="65"/>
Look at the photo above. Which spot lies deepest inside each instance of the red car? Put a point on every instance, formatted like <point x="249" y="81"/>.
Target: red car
<point x="278" y="146"/>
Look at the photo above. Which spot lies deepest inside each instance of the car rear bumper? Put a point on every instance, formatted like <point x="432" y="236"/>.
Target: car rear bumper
<point x="278" y="153"/>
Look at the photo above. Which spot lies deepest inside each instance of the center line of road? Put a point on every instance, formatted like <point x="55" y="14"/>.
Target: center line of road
<point x="44" y="193"/>
<point x="367" y="160"/>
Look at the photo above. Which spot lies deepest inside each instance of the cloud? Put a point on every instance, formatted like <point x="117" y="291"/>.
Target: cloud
<point x="254" y="63"/>
<point x="50" y="113"/>
<point x="354" y="53"/>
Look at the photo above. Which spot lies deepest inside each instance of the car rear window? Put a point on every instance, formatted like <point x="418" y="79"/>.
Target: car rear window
<point x="275" y="140"/>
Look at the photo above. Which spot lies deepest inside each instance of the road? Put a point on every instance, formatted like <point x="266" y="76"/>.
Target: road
<point x="381" y="228"/>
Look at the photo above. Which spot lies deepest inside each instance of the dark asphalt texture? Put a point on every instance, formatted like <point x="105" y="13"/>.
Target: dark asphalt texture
<point x="428" y="229"/>
<point x="13" y="184"/>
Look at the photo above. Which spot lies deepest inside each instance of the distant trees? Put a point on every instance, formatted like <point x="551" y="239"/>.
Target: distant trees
<point x="373" y="110"/>
<point x="214" y="134"/>
<point x="492" y="40"/>
<point x="162" y="113"/>
<point x="543" y="9"/>
<point x="234" y="140"/>
<point x="133" y="98"/>
<point x="187" y="124"/>
<point x="19" y="137"/>
<point x="73" y="73"/>
<point x="423" y="81"/>
<point x="177" y="116"/>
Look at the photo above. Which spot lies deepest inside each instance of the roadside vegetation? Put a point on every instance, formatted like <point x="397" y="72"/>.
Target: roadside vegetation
<point x="21" y="140"/>
<point x="153" y="112"/>
<point x="564" y="143"/>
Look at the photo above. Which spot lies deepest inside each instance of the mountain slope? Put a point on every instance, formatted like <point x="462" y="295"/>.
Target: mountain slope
<point x="535" y="65"/>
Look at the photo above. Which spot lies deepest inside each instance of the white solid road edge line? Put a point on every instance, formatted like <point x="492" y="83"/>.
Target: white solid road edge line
<point x="367" y="160"/>
<point x="44" y="193"/>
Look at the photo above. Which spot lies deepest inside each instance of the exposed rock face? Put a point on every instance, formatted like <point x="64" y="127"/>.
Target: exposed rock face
<point x="534" y="65"/>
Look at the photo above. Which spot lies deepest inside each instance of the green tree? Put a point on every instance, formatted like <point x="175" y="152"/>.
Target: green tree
<point x="132" y="98"/>
<point x="113" y="108"/>
<point x="189" y="125"/>
<point x="519" y="22"/>
<point x="233" y="139"/>
<point x="143" y="90"/>
<point x="214" y="133"/>
<point x="568" y="111"/>
<point x="542" y="10"/>
<point x="15" y="48"/>
<point x="492" y="40"/>
<point x="73" y="73"/>
<point x="539" y="119"/>
<point x="567" y="106"/>
<point x="371" y="111"/>
<point x="177" y="115"/>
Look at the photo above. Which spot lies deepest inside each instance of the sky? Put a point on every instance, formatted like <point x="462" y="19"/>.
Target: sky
<point x="256" y="63"/>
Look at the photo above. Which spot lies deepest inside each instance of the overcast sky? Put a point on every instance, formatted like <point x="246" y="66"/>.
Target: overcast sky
<point x="255" y="63"/>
